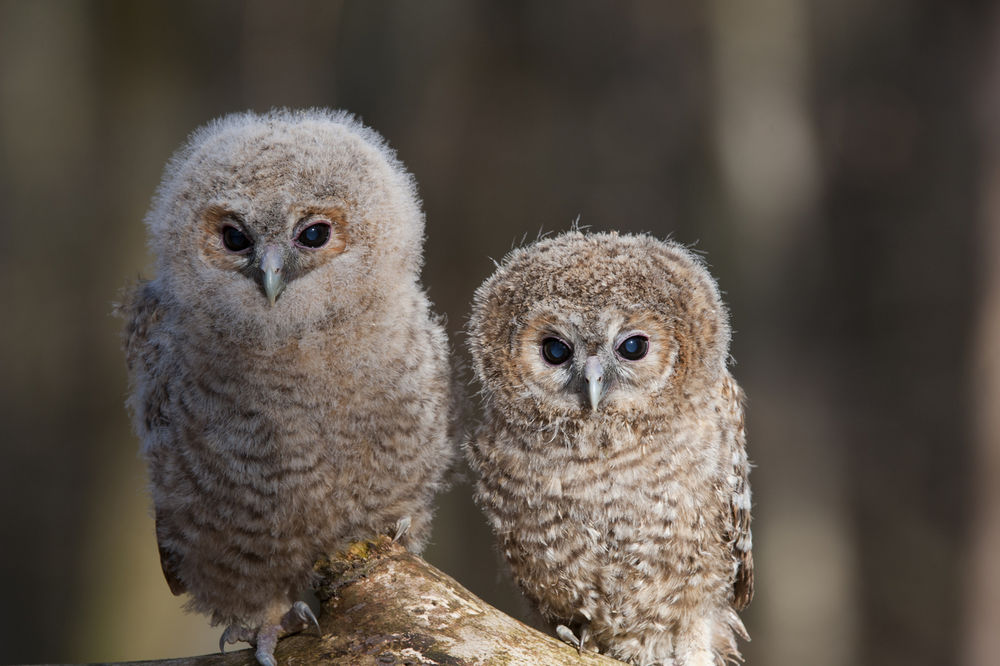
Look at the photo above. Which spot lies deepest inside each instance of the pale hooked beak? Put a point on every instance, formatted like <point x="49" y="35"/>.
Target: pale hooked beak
<point x="593" y="372"/>
<point x="271" y="262"/>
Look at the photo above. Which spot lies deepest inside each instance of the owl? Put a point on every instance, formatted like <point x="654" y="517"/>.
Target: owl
<point x="611" y="457"/>
<point x="288" y="379"/>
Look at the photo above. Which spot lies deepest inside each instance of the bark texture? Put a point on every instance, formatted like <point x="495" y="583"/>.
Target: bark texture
<point x="384" y="605"/>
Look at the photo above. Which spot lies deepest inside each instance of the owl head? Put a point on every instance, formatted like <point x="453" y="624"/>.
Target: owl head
<point x="270" y="223"/>
<point x="595" y="326"/>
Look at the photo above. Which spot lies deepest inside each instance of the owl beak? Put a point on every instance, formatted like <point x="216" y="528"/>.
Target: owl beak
<point x="271" y="262"/>
<point x="593" y="372"/>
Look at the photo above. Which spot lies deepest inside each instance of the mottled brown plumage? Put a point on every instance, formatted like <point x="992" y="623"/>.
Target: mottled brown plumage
<point x="612" y="461"/>
<point x="289" y="382"/>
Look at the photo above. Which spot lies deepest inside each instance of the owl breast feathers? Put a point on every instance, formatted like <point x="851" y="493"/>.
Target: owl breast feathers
<point x="611" y="459"/>
<point x="289" y="382"/>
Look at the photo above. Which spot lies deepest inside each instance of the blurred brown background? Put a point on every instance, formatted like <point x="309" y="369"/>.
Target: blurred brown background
<point x="837" y="161"/>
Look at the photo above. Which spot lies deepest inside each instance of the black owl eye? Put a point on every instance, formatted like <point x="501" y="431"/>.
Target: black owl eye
<point x="235" y="240"/>
<point x="634" y="348"/>
<point x="555" y="351"/>
<point x="315" y="235"/>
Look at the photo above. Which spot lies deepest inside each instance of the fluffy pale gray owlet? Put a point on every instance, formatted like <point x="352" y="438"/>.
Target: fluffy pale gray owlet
<point x="611" y="458"/>
<point x="288" y="381"/>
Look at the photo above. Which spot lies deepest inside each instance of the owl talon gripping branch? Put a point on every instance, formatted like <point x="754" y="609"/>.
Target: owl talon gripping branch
<point x="567" y="636"/>
<point x="298" y="618"/>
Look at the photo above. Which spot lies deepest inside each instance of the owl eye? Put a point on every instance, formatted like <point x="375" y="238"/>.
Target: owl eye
<point x="235" y="240"/>
<point x="555" y="351"/>
<point x="315" y="235"/>
<point x="634" y="348"/>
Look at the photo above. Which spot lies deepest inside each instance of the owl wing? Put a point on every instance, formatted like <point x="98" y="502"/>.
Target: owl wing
<point x="739" y="527"/>
<point x="170" y="560"/>
<point x="143" y="355"/>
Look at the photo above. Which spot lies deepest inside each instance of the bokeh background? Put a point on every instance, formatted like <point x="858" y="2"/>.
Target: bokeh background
<point x="838" y="163"/>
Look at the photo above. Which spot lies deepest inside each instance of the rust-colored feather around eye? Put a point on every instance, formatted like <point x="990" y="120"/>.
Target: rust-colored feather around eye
<point x="214" y="219"/>
<point x="338" y="219"/>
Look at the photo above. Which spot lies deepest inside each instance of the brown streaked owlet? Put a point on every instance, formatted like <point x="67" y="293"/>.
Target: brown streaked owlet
<point x="289" y="382"/>
<point x="611" y="459"/>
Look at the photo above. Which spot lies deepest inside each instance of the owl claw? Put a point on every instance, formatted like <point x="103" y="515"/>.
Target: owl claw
<point x="567" y="636"/>
<point x="234" y="633"/>
<point x="402" y="526"/>
<point x="302" y="616"/>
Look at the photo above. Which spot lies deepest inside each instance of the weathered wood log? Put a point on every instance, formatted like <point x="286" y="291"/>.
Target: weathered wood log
<point x="382" y="605"/>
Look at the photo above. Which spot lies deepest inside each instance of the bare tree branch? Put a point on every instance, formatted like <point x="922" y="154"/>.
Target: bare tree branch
<point x="384" y="605"/>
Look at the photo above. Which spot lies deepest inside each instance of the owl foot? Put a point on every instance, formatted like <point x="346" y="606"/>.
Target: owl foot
<point x="567" y="636"/>
<point x="265" y="638"/>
